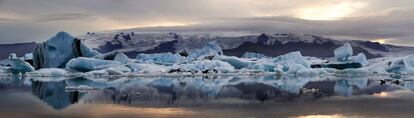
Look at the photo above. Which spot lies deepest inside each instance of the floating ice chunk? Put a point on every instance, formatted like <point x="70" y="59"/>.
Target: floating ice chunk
<point x="203" y="66"/>
<point x="160" y="58"/>
<point x="294" y="68"/>
<point x="344" y="52"/>
<point x="82" y="64"/>
<point x="28" y="56"/>
<point x="291" y="58"/>
<point x="264" y="66"/>
<point x="121" y="57"/>
<point x="49" y="72"/>
<point x="361" y="58"/>
<point x="211" y="49"/>
<point x="253" y="55"/>
<point x="12" y="56"/>
<point x="117" y="70"/>
<point x="147" y="68"/>
<point x="17" y="65"/>
<point x="58" y="50"/>
<point x="236" y="62"/>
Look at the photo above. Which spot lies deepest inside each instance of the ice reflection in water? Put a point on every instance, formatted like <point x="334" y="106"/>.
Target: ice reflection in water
<point x="190" y="91"/>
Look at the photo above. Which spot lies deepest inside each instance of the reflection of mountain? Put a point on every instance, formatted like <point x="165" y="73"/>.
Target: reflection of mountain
<point x="53" y="93"/>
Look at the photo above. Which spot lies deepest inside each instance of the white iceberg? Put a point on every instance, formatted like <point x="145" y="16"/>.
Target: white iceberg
<point x="159" y="58"/>
<point x="122" y="58"/>
<point x="82" y="64"/>
<point x="253" y="55"/>
<point x="199" y="66"/>
<point x="361" y="58"/>
<point x="211" y="49"/>
<point x="343" y="53"/>
<point x="17" y="65"/>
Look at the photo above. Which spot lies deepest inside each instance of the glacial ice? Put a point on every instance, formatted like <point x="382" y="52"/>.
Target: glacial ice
<point x="122" y="58"/>
<point x="17" y="65"/>
<point x="361" y="58"/>
<point x="253" y="55"/>
<point x="83" y="64"/>
<point x="12" y="56"/>
<point x="147" y="68"/>
<point x="200" y="66"/>
<point x="58" y="50"/>
<point x="238" y="63"/>
<point x="167" y="59"/>
<point x="211" y="49"/>
<point x="344" y="52"/>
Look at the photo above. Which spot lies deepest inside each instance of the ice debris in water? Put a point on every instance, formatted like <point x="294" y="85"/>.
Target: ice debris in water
<point x="160" y="58"/>
<point x="361" y="58"/>
<point x="344" y="52"/>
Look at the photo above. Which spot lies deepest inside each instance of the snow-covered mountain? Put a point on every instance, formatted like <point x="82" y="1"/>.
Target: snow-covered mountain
<point x="236" y="44"/>
<point x="132" y="43"/>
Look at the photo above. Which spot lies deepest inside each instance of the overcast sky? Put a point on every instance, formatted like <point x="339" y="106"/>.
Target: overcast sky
<point x="388" y="21"/>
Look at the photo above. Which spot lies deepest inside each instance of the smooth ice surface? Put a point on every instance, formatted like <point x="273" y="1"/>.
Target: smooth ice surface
<point x="82" y="64"/>
<point x="361" y="58"/>
<point x="122" y="58"/>
<point x="147" y="68"/>
<point x="344" y="52"/>
<point x="253" y="55"/>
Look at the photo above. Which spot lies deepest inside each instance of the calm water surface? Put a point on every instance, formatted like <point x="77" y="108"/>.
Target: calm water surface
<point x="211" y="97"/>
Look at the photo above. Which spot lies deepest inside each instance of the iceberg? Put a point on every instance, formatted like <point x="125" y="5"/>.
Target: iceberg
<point x="293" y="57"/>
<point x="82" y="64"/>
<point x="160" y="58"/>
<point x="264" y="66"/>
<point x="58" y="50"/>
<point x="122" y="58"/>
<point x="343" y="53"/>
<point x="236" y="62"/>
<point x="49" y="72"/>
<point x="203" y="66"/>
<point x="252" y="55"/>
<point x="147" y="68"/>
<point x="17" y="65"/>
<point x="12" y="56"/>
<point x="361" y="58"/>
<point x="211" y="49"/>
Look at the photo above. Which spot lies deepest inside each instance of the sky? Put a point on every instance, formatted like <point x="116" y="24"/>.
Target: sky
<point x="385" y="21"/>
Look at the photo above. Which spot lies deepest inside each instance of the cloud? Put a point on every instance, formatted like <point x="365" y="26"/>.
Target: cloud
<point x="345" y="19"/>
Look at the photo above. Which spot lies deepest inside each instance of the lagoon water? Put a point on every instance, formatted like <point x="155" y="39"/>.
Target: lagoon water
<point x="212" y="97"/>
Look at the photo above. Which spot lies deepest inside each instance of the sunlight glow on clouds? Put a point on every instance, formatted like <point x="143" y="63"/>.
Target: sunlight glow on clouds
<point x="333" y="11"/>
